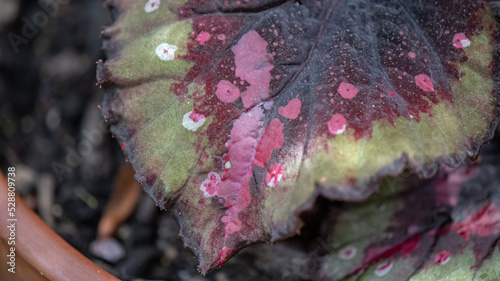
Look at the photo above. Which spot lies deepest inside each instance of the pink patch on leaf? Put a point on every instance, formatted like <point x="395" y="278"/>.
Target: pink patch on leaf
<point x="347" y="91"/>
<point x="442" y="257"/>
<point x="484" y="223"/>
<point x="460" y="41"/>
<point x="424" y="82"/>
<point x="274" y="174"/>
<point x="291" y="110"/>
<point x="271" y="140"/>
<point x="224" y="255"/>
<point x="253" y="64"/>
<point x="234" y="186"/>
<point x="376" y="254"/>
<point x="412" y="55"/>
<point x="203" y="37"/>
<point x="337" y="124"/>
<point x="227" y="92"/>
<point x="209" y="185"/>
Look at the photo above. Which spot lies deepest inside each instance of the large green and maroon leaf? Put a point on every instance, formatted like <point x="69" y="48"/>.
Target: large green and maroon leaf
<point x="238" y="114"/>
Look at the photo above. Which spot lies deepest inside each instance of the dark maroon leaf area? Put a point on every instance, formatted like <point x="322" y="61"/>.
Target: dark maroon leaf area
<point x="379" y="47"/>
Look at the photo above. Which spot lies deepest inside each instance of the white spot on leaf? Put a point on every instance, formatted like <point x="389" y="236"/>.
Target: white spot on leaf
<point x="192" y="120"/>
<point x="151" y="6"/>
<point x="274" y="175"/>
<point x="209" y="185"/>
<point x="166" y="52"/>
<point x="383" y="268"/>
<point x="337" y="124"/>
<point x="442" y="257"/>
<point x="340" y="131"/>
<point x="347" y="253"/>
<point x="461" y="41"/>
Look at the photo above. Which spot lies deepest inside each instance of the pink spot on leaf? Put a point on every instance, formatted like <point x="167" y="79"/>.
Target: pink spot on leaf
<point x="442" y="257"/>
<point x="203" y="37"/>
<point x="460" y="41"/>
<point x="291" y="110"/>
<point x="347" y="91"/>
<point x="337" y="124"/>
<point x="412" y="55"/>
<point x="221" y="37"/>
<point x="227" y="92"/>
<point x="424" y="82"/>
<point x="196" y="117"/>
<point x="209" y="185"/>
<point x="274" y="174"/>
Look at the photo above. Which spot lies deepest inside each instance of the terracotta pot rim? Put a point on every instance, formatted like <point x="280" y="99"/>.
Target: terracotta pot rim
<point x="39" y="247"/>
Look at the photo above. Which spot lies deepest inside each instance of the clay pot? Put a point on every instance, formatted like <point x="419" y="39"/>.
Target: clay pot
<point x="40" y="254"/>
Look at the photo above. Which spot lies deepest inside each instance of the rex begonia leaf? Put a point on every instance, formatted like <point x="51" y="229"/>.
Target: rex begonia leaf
<point x="444" y="229"/>
<point x="238" y="114"/>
